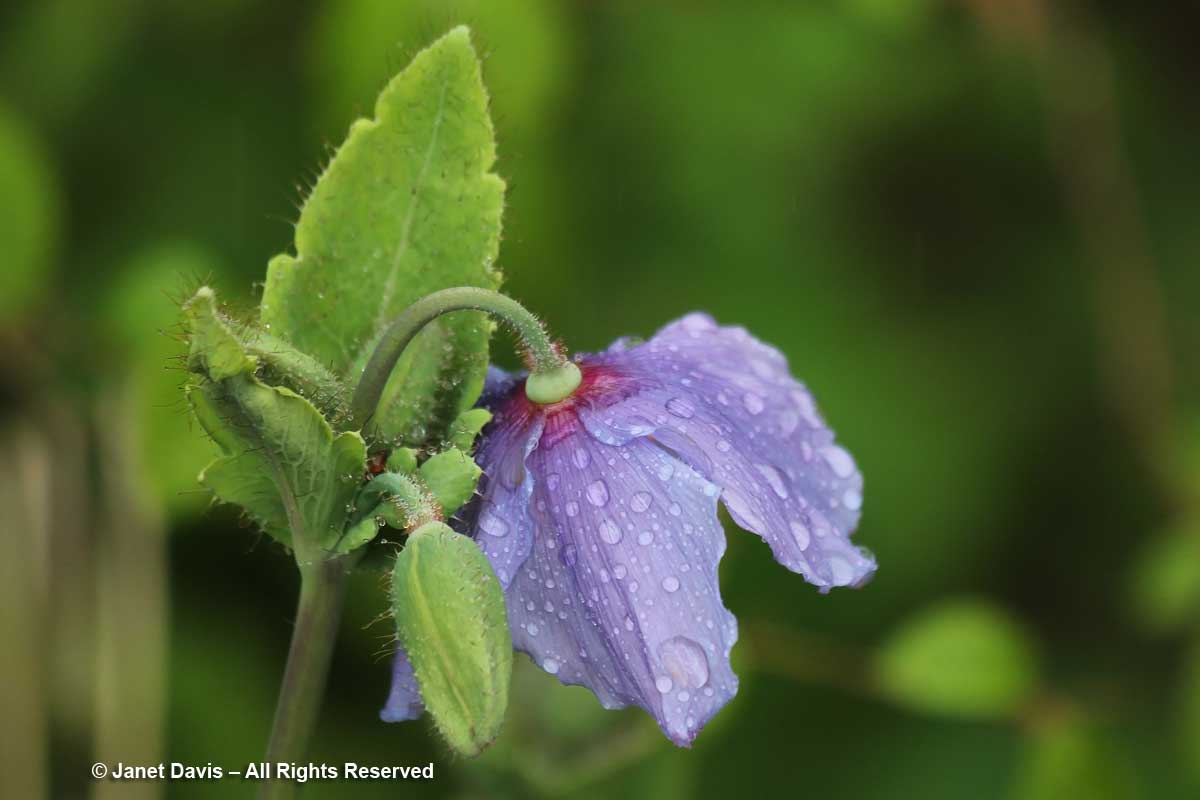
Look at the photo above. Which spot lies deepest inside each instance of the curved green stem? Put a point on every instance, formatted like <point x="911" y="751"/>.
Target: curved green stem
<point x="322" y="590"/>
<point x="545" y="358"/>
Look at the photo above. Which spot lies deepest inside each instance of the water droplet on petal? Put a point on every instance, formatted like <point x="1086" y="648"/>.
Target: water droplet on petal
<point x="670" y="583"/>
<point x="640" y="502"/>
<point x="684" y="661"/>
<point x="753" y="403"/>
<point x="675" y="509"/>
<point x="581" y="457"/>
<point x="680" y="408"/>
<point x="663" y="684"/>
<point x="839" y="460"/>
<point x="800" y="534"/>
<point x="852" y="499"/>
<point x="552" y="481"/>
<point x="597" y="493"/>
<point x="724" y="446"/>
<point x="843" y="572"/>
<point x="774" y="478"/>
<point x="742" y="511"/>
<point x="645" y="538"/>
<point x="572" y="509"/>
<point x="570" y="554"/>
<point x="551" y="666"/>
<point x="491" y="523"/>
<point x="609" y="531"/>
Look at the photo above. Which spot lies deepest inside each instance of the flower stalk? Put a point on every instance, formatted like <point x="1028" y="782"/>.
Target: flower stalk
<point x="552" y="374"/>
<point x="322" y="592"/>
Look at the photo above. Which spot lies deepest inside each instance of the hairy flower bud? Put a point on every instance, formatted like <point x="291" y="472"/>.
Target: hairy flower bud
<point x="451" y="618"/>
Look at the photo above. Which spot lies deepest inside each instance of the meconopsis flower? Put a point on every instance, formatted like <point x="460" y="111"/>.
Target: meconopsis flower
<point x="599" y="514"/>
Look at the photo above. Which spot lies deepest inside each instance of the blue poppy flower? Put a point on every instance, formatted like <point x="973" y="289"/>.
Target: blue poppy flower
<point x="599" y="514"/>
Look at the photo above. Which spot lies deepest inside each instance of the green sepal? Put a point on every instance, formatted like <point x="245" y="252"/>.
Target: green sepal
<point x="466" y="427"/>
<point x="451" y="477"/>
<point x="451" y="619"/>
<point x="403" y="460"/>
<point x="282" y="462"/>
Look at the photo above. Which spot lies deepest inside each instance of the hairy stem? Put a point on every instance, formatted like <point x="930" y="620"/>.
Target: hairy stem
<point x="322" y="591"/>
<point x="543" y="355"/>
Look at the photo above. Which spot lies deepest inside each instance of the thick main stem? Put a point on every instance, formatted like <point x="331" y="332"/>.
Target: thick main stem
<point x="322" y="591"/>
<point x="544" y="356"/>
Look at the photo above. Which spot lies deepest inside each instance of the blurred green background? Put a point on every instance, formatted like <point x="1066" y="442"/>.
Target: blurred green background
<point x="971" y="225"/>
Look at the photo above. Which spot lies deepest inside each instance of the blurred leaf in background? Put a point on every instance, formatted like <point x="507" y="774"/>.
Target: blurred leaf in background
<point x="141" y="322"/>
<point x="29" y="226"/>
<point x="961" y="658"/>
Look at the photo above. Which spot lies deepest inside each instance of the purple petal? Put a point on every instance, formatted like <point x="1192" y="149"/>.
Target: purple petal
<point x="500" y="518"/>
<point x="726" y="404"/>
<point x="620" y="592"/>
<point x="404" y="700"/>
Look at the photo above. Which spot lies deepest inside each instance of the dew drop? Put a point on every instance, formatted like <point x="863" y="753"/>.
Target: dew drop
<point x="774" y="479"/>
<point x="597" y="493"/>
<point x="753" y="403"/>
<point x="551" y="666"/>
<point x="680" y="408"/>
<point x="838" y="460"/>
<point x="675" y="509"/>
<point x="645" y="538"/>
<point x="531" y="629"/>
<point x="609" y="531"/>
<point x="724" y="446"/>
<point x="572" y="509"/>
<point x="852" y="499"/>
<point x="663" y="684"/>
<point x="552" y="481"/>
<point x="491" y="523"/>
<point x="570" y="554"/>
<point x="742" y="511"/>
<point x="800" y="534"/>
<point x="640" y="502"/>
<point x="670" y="583"/>
<point x="581" y="458"/>
<point x="684" y="661"/>
<point x="843" y="572"/>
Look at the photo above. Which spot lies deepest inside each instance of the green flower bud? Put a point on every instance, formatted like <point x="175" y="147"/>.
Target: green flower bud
<point x="450" y="615"/>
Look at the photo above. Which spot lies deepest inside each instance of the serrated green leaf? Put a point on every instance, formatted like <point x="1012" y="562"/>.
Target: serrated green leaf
<point x="963" y="658"/>
<point x="451" y="477"/>
<point x="273" y="439"/>
<point x="407" y="206"/>
<point x="452" y="621"/>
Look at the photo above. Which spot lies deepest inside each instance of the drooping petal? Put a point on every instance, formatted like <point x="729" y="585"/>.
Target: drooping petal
<point x="404" y="699"/>
<point x="620" y="593"/>
<point x="726" y="404"/>
<point x="500" y="520"/>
